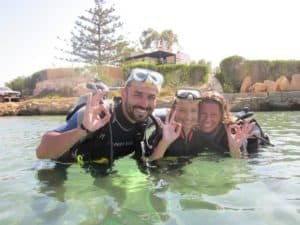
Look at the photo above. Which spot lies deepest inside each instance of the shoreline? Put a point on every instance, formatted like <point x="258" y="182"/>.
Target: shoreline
<point x="277" y="101"/>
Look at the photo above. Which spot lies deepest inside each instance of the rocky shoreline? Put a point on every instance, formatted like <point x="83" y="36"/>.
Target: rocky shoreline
<point x="265" y="101"/>
<point x="56" y="106"/>
<point x="276" y="101"/>
<point x="59" y="106"/>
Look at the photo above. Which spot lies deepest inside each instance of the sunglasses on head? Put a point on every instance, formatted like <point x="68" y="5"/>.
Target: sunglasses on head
<point x="188" y="94"/>
<point x="146" y="75"/>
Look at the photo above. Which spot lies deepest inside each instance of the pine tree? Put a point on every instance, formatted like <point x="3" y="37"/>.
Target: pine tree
<point x="95" y="38"/>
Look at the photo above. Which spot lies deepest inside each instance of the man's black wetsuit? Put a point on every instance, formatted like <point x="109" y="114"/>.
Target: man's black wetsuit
<point x="125" y="137"/>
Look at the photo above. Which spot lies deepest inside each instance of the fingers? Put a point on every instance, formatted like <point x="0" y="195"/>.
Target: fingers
<point x="248" y="127"/>
<point x="178" y="127"/>
<point x="102" y="121"/>
<point x="96" y="115"/>
<point x="170" y="117"/>
<point x="158" y="120"/>
<point x="233" y="128"/>
<point x="97" y="98"/>
<point x="93" y="101"/>
<point x="87" y="116"/>
<point x="249" y="131"/>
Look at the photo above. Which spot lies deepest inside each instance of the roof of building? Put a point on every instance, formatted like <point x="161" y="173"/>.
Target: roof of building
<point x="156" y="54"/>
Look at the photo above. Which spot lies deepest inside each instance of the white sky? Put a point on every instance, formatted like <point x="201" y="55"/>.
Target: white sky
<point x="207" y="29"/>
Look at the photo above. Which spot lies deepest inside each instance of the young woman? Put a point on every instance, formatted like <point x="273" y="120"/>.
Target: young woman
<point x="178" y="128"/>
<point x="219" y="130"/>
<point x="199" y="123"/>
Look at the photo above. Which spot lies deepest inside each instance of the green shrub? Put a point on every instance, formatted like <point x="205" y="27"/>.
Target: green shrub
<point x="175" y="75"/>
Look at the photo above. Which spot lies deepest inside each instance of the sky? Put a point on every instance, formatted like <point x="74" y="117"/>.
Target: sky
<point x="207" y="29"/>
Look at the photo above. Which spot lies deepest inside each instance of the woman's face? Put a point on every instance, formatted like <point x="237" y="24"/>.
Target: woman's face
<point x="210" y="116"/>
<point x="187" y="114"/>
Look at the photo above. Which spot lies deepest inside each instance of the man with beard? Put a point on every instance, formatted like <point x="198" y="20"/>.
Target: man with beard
<point x="95" y="134"/>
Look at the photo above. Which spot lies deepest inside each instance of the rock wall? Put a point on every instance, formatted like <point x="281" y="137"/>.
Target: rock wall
<point x="295" y="82"/>
<point x="255" y="102"/>
<point x="281" y="84"/>
<point x="63" y="80"/>
<point x="37" y="107"/>
<point x="70" y="81"/>
<point x="275" y="101"/>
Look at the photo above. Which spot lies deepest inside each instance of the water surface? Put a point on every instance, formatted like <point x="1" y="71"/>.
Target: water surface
<point x="264" y="189"/>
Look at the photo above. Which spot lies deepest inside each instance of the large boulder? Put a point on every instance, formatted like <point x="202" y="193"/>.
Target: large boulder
<point x="282" y="84"/>
<point x="246" y="84"/>
<point x="258" y="87"/>
<point x="271" y="85"/>
<point x="295" y="83"/>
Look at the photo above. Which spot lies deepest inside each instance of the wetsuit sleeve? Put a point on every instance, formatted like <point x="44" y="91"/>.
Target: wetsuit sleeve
<point x="68" y="125"/>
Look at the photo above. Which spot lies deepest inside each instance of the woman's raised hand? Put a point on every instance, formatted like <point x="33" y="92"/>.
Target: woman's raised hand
<point x="237" y="134"/>
<point x="171" y="128"/>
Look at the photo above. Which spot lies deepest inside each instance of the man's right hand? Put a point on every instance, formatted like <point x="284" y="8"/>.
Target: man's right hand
<point x="92" y="120"/>
<point x="54" y="144"/>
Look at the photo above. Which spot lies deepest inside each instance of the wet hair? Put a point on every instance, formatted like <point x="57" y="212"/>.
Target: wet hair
<point x="218" y="99"/>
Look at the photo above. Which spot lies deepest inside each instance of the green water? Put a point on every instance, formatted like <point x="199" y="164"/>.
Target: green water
<point x="264" y="189"/>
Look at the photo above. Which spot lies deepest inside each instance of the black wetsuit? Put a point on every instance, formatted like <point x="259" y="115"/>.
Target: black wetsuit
<point x="184" y="145"/>
<point x="215" y="141"/>
<point x="125" y="136"/>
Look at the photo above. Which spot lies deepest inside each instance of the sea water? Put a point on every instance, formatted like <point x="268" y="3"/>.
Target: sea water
<point x="263" y="189"/>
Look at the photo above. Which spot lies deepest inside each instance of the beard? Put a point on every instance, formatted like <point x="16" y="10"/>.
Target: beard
<point x="138" y="113"/>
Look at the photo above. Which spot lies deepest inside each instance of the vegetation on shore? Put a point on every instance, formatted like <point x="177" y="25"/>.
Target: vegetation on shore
<point x="234" y="69"/>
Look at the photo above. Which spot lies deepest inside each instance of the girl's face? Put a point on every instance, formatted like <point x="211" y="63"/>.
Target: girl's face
<point x="210" y="116"/>
<point x="187" y="114"/>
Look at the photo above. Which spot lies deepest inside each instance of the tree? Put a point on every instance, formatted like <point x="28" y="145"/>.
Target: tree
<point x="124" y="50"/>
<point x="148" y="37"/>
<point x="25" y="84"/>
<point x="168" y="39"/>
<point x="152" y="38"/>
<point x="229" y="75"/>
<point x="95" y="37"/>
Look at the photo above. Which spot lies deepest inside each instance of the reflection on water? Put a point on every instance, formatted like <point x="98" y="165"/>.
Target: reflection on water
<point x="263" y="189"/>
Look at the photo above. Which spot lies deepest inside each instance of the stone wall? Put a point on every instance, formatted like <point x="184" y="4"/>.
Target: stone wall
<point x="265" y="101"/>
<point x="281" y="84"/>
<point x="71" y="81"/>
<point x="59" y="106"/>
<point x="255" y="102"/>
<point x="76" y="84"/>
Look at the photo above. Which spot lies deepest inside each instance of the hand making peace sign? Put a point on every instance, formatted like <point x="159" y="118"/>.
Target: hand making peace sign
<point x="171" y="128"/>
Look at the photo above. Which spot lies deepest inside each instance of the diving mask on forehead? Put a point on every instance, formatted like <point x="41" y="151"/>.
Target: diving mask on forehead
<point x="146" y="76"/>
<point x="191" y="94"/>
